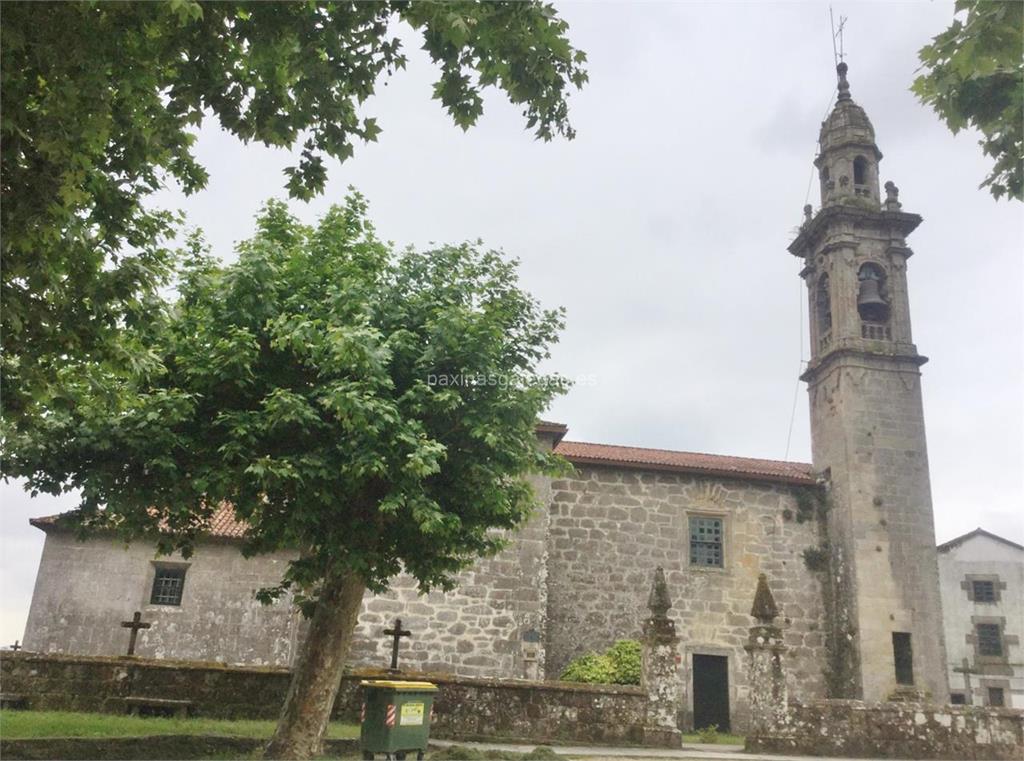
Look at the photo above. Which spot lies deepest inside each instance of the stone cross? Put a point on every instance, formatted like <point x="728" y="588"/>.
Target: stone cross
<point x="15" y="647"/>
<point x="396" y="634"/>
<point x="135" y="624"/>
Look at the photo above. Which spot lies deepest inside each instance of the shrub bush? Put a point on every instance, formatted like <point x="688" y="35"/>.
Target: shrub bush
<point x="708" y="734"/>
<point x="619" y="664"/>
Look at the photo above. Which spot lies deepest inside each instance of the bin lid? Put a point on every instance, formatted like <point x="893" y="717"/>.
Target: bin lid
<point x="388" y="684"/>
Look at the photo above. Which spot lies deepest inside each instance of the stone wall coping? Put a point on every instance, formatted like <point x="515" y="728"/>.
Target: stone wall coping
<point x="362" y="673"/>
<point x="906" y="707"/>
<point x="134" y="660"/>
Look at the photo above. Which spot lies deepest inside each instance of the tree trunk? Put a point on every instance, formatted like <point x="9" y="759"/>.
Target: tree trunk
<point x="317" y="672"/>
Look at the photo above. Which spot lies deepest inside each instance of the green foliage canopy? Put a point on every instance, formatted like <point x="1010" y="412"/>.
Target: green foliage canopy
<point x="619" y="664"/>
<point x="374" y="411"/>
<point x="100" y="103"/>
<point x="974" y="77"/>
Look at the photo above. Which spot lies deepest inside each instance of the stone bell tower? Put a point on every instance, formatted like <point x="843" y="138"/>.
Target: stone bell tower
<point x="867" y="423"/>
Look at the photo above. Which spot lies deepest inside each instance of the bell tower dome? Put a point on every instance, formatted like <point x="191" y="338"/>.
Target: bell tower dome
<point x="867" y="423"/>
<point x="848" y="159"/>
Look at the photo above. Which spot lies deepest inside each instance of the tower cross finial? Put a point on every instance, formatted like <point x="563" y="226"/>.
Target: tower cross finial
<point x="837" y="34"/>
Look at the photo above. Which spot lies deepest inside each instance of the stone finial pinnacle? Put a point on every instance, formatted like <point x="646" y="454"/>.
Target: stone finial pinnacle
<point x="892" y="197"/>
<point x="844" y="86"/>
<point x="764" y="609"/>
<point x="659" y="601"/>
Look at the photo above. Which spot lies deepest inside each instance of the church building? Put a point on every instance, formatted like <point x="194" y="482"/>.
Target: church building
<point x="846" y="542"/>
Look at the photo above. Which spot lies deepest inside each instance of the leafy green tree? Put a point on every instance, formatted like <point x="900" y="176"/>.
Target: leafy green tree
<point x="373" y="411"/>
<point x="974" y="77"/>
<point x="101" y="100"/>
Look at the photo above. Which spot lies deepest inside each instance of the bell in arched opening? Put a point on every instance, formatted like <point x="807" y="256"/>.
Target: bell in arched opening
<point x="871" y="302"/>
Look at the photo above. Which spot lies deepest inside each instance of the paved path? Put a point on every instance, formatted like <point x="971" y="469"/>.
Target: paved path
<point x="689" y="751"/>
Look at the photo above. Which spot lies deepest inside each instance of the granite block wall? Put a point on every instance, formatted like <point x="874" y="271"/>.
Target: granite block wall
<point x="464" y="708"/>
<point x="868" y="429"/>
<point x="854" y="729"/>
<point x="573" y="579"/>
<point x="490" y="625"/>
<point x="611" y="527"/>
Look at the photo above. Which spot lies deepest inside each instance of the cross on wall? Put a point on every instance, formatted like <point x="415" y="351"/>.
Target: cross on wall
<point x="135" y="625"/>
<point x="396" y="634"/>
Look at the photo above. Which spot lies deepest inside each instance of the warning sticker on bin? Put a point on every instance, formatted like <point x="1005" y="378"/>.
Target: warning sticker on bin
<point x="412" y="715"/>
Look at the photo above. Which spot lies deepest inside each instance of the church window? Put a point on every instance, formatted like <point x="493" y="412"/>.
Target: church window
<point x="860" y="171"/>
<point x="706" y="542"/>
<point x="995" y="697"/>
<point x="904" y="657"/>
<point x="957" y="699"/>
<point x="984" y="591"/>
<point x="989" y="639"/>
<point x="168" y="584"/>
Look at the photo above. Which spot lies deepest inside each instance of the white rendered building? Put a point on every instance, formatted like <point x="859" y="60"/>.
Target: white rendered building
<point x="981" y="577"/>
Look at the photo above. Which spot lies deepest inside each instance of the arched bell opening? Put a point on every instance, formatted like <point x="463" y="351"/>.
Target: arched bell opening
<point x="873" y="302"/>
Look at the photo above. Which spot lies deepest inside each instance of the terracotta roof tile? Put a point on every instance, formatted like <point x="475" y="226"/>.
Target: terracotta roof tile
<point x="223" y="523"/>
<point x="686" y="462"/>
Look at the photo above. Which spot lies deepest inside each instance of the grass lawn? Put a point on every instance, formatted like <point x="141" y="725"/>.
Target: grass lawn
<point x="722" y="739"/>
<point x="16" y="725"/>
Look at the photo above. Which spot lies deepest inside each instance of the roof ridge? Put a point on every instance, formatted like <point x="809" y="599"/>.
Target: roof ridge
<point x="979" y="531"/>
<point x="683" y="451"/>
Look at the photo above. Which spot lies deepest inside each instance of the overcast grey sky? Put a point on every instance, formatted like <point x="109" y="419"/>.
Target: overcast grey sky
<point x="663" y="229"/>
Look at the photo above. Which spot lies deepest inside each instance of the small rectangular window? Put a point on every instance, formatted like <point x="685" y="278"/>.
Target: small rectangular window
<point x="904" y="657"/>
<point x="168" y="584"/>
<point x="706" y="542"/>
<point x="995" y="697"/>
<point x="984" y="591"/>
<point x="957" y="699"/>
<point x="990" y="640"/>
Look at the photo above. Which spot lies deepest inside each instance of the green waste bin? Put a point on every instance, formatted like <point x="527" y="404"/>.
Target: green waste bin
<point x="395" y="718"/>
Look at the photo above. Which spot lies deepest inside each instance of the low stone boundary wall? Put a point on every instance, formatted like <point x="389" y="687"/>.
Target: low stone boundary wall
<point x="465" y="708"/>
<point x="854" y="729"/>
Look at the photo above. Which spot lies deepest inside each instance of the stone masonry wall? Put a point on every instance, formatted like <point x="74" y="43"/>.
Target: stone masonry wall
<point x="85" y="589"/>
<point x="868" y="430"/>
<point x="854" y="729"/>
<point x="574" y="579"/>
<point x="490" y="625"/>
<point x="610" y="528"/>
<point x="464" y="708"/>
